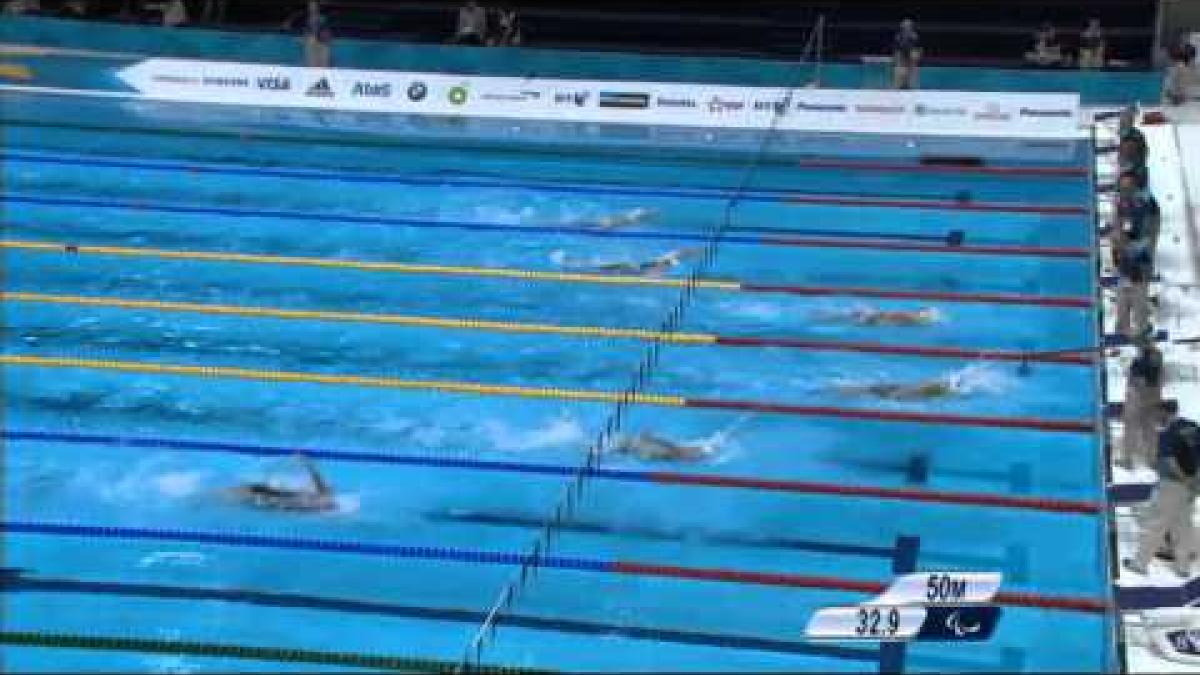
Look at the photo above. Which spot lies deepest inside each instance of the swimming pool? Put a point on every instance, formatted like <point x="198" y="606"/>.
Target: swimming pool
<point x="412" y="317"/>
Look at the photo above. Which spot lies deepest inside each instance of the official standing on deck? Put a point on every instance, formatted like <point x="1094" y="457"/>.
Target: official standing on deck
<point x="1143" y="398"/>
<point x="906" y="52"/>
<point x="1173" y="505"/>
<point x="1135" y="266"/>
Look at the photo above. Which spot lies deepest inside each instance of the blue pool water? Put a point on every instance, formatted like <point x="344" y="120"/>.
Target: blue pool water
<point x="480" y="472"/>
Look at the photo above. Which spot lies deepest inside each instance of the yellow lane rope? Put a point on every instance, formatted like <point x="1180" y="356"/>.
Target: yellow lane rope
<point x="353" y="380"/>
<point x="362" y="265"/>
<point x="393" y="319"/>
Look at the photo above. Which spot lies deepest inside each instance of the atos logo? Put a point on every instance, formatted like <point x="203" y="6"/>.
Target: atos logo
<point x="275" y="83"/>
<point x="372" y="89"/>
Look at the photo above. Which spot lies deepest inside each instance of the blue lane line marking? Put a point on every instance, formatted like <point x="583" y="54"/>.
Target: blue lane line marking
<point x="14" y="581"/>
<point x="331" y="454"/>
<point x="294" y="543"/>
<point x="505" y="520"/>
<point x="433" y="224"/>
<point x="477" y="226"/>
<point x="462" y="180"/>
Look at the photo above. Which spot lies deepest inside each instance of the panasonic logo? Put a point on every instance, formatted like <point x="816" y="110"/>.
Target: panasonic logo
<point x="1034" y="112"/>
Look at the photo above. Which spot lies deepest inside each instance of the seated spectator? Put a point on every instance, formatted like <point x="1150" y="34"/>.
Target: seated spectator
<point x="174" y="12"/>
<point x="1092" y="46"/>
<point x="472" y="24"/>
<point x="1047" y="50"/>
<point x="318" y="49"/>
<point x="906" y="52"/>
<point x="508" y="28"/>
<point x="73" y="9"/>
<point x="23" y="7"/>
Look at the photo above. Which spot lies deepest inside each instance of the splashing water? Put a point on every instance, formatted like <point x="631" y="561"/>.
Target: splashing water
<point x="561" y="431"/>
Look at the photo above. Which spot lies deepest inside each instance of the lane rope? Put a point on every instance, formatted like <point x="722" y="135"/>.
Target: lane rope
<point x="600" y="188"/>
<point x="716" y="481"/>
<point x="1071" y="356"/>
<point x="542" y="559"/>
<point x="828" y="240"/>
<point x="1080" y="302"/>
<point x="243" y="652"/>
<point x="627" y="397"/>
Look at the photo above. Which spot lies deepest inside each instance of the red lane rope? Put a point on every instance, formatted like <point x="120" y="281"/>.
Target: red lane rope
<point x="985" y="249"/>
<point x="1049" y="209"/>
<point x="902" y="494"/>
<point x="1082" y="426"/>
<point x="911" y="350"/>
<point x="993" y="298"/>
<point x="1079" y="604"/>
<point x="949" y="168"/>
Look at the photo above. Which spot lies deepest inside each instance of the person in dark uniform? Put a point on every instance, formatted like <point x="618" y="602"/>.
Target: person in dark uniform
<point x="906" y="52"/>
<point x="1126" y="129"/>
<point x="1138" y="207"/>
<point x="1131" y="159"/>
<point x="1133" y="288"/>
<point x="1092" y="46"/>
<point x="1169" y="518"/>
<point x="1143" y="398"/>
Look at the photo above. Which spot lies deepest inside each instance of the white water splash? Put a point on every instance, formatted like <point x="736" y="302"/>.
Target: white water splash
<point x="561" y="431"/>
<point x="173" y="559"/>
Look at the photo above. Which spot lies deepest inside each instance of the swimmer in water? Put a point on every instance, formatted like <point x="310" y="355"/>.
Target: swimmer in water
<point x="624" y="218"/>
<point x="652" y="448"/>
<point x="267" y="496"/>
<point x="872" y="316"/>
<point x="655" y="267"/>
<point x="942" y="387"/>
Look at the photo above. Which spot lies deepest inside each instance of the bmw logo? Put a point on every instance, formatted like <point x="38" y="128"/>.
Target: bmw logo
<point x="458" y="95"/>
<point x="417" y="91"/>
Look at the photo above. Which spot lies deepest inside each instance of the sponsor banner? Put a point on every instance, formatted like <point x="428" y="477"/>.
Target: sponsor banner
<point x="934" y="113"/>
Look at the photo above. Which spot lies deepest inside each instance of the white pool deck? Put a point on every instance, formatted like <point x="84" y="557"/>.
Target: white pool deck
<point x="1175" y="180"/>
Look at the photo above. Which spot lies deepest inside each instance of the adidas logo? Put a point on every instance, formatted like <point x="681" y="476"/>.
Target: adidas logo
<point x="321" y="88"/>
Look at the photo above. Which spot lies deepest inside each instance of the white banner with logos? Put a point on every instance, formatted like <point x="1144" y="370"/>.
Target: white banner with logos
<point x="941" y="113"/>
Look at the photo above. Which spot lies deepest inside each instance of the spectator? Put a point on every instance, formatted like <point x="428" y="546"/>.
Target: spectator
<point x="174" y="12"/>
<point x="23" y="7"/>
<point x="508" y="28"/>
<point x="1143" y="396"/>
<point x="906" y="52"/>
<point x="318" y="49"/>
<point x="1169" y="519"/>
<point x="1092" y="46"/>
<point x="73" y="9"/>
<point x="1133" y="300"/>
<point x="1047" y="50"/>
<point x="1175" y="83"/>
<point x="472" y="24"/>
<point x="312" y="17"/>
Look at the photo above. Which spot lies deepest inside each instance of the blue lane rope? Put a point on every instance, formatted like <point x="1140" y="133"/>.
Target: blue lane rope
<point x="455" y="179"/>
<point x="319" y="453"/>
<point x="308" y="216"/>
<point x="296" y="543"/>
